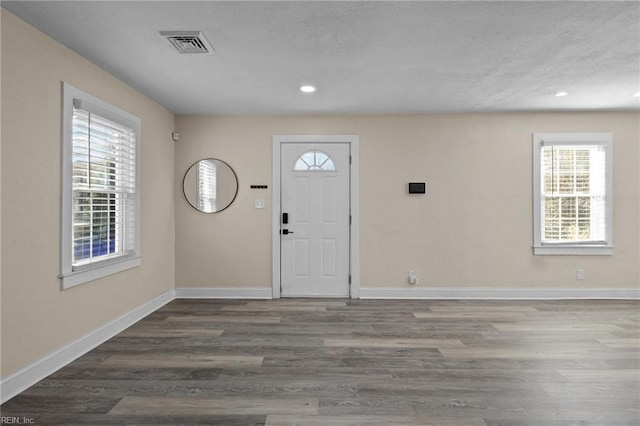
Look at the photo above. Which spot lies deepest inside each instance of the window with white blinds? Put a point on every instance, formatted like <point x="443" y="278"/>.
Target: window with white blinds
<point x="101" y="201"/>
<point x="572" y="193"/>
<point x="206" y="181"/>
<point x="104" y="188"/>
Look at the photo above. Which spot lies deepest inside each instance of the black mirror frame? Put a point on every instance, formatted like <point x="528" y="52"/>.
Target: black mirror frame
<point x="234" y="175"/>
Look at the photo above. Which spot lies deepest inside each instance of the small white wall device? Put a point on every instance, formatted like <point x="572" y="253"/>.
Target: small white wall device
<point x="175" y="136"/>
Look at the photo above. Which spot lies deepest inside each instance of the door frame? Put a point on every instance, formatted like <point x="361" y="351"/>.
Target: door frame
<point x="354" y="229"/>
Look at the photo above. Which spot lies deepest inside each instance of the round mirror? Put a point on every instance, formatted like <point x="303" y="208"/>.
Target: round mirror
<point x="210" y="185"/>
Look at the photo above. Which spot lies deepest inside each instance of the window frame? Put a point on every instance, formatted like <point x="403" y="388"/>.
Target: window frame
<point x="567" y="248"/>
<point x="315" y="167"/>
<point x="68" y="276"/>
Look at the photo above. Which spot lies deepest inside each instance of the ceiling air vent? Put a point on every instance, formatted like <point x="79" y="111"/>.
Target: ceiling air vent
<point x="188" y="41"/>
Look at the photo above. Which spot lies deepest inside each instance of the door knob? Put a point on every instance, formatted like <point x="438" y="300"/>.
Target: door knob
<point x="286" y="232"/>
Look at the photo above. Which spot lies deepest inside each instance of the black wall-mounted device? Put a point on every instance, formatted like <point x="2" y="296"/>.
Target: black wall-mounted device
<point x="417" y="188"/>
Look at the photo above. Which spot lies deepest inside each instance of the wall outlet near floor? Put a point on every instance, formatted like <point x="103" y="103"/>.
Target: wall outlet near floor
<point x="413" y="278"/>
<point x="579" y="274"/>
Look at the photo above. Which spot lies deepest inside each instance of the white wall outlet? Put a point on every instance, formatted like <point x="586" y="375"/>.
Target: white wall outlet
<point x="259" y="203"/>
<point x="413" y="278"/>
<point x="579" y="274"/>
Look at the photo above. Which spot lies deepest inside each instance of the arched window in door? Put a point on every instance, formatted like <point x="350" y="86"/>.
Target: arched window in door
<point x="314" y="161"/>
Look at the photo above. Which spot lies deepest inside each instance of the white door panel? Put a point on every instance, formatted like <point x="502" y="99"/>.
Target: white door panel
<point x="315" y="181"/>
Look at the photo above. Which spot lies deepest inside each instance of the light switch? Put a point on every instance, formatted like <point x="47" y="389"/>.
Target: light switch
<point x="259" y="203"/>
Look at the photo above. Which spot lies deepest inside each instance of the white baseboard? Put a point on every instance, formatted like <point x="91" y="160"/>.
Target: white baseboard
<point x="498" y="293"/>
<point x="32" y="374"/>
<point x="428" y="293"/>
<point x="223" y="293"/>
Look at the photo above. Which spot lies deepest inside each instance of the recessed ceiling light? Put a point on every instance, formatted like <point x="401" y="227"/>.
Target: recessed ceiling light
<point x="636" y="95"/>
<point x="307" y="89"/>
<point x="561" y="94"/>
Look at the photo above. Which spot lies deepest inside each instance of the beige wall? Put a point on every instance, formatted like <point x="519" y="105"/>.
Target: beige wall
<point x="37" y="317"/>
<point x="472" y="229"/>
<point x="0" y="199"/>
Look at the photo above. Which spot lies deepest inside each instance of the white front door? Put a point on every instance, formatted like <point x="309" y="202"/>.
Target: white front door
<point x="314" y="219"/>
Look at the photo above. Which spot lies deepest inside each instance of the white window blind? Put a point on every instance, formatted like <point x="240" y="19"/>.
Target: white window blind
<point x="206" y="196"/>
<point x="573" y="193"/>
<point x="104" y="188"/>
<point x="100" y="214"/>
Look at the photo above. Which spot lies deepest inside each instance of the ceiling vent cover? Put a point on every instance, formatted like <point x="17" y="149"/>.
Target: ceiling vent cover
<point x="188" y="41"/>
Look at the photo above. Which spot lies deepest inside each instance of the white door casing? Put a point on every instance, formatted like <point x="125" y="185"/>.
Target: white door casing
<point x="318" y="256"/>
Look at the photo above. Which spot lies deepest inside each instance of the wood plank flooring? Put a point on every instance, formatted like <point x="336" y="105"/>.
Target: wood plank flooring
<point x="355" y="362"/>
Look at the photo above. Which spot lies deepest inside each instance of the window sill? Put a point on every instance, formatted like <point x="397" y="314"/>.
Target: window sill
<point x="75" y="278"/>
<point x="573" y="250"/>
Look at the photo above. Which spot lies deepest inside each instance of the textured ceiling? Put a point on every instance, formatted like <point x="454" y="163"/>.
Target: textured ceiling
<point x="364" y="57"/>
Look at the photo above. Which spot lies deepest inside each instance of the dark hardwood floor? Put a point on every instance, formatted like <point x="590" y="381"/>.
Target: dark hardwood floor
<point x="356" y="362"/>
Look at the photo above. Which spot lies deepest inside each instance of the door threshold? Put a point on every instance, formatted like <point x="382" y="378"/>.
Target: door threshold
<point x="315" y="296"/>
